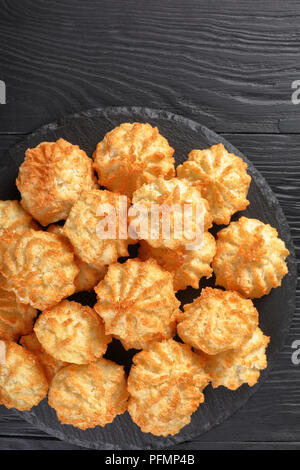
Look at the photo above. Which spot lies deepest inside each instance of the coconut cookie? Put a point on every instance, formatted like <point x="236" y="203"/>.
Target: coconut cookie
<point x="223" y="179"/>
<point x="131" y="155"/>
<point x="250" y="258"/>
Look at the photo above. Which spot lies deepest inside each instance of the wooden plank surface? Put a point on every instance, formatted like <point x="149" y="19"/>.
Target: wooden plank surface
<point x="229" y="64"/>
<point x="271" y="418"/>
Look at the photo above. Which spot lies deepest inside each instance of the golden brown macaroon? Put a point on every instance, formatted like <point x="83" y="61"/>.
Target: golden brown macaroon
<point x="250" y="258"/>
<point x="22" y="380"/>
<point x="182" y="214"/>
<point x="223" y="178"/>
<point x="50" y="365"/>
<point x="16" y="319"/>
<point x="14" y="218"/>
<point x="51" y="179"/>
<point x="85" y="220"/>
<point x="217" y="321"/>
<point x="39" y="268"/>
<point x="131" y="155"/>
<point x="188" y="266"/>
<point x="165" y="387"/>
<point x="89" y="395"/>
<point x="137" y="303"/>
<point x="89" y="276"/>
<point x="236" y="367"/>
<point x="72" y="332"/>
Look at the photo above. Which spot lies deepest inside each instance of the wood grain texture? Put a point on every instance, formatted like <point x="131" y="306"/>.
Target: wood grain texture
<point x="271" y="418"/>
<point x="228" y="64"/>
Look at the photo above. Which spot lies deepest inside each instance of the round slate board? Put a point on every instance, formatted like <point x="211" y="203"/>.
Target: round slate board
<point x="87" y="129"/>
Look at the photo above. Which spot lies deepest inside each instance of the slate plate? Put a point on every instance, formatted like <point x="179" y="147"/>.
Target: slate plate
<point x="276" y="309"/>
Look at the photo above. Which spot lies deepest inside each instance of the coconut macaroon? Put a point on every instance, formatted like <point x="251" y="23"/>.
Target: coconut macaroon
<point x="89" y="275"/>
<point x="88" y="224"/>
<point x="250" y="258"/>
<point x="137" y="303"/>
<point x="165" y="387"/>
<point x="223" y="178"/>
<point x="234" y="368"/>
<point x="131" y="155"/>
<point x="89" y="395"/>
<point x="188" y="266"/>
<point x="14" y="218"/>
<point x="52" y="177"/>
<point x="22" y="380"/>
<point x="217" y="321"/>
<point x="39" y="268"/>
<point x="16" y="318"/>
<point x="169" y="214"/>
<point x="49" y="364"/>
<point x="72" y="333"/>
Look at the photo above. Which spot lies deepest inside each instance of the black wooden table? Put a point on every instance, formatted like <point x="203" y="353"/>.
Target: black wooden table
<point x="227" y="64"/>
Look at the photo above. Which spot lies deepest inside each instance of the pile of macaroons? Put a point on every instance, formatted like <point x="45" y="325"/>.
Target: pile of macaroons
<point x="50" y="249"/>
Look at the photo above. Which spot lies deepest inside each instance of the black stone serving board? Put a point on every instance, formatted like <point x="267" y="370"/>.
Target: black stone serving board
<point x="276" y="310"/>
